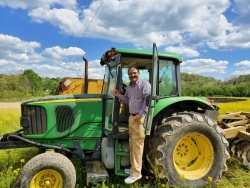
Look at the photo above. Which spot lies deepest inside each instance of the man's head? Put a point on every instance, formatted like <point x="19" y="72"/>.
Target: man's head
<point x="133" y="74"/>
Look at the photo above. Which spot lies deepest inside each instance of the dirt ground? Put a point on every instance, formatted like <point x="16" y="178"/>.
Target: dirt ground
<point x="10" y="104"/>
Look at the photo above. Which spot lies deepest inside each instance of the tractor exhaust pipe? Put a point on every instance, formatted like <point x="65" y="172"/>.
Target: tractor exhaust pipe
<point x="85" y="87"/>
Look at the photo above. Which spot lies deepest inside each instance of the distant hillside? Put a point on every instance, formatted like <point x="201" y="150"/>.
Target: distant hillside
<point x="197" y="80"/>
<point x="239" y="79"/>
<point x="197" y="85"/>
<point x="28" y="85"/>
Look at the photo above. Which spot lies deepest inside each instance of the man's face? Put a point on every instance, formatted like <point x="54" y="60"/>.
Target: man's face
<point x="133" y="75"/>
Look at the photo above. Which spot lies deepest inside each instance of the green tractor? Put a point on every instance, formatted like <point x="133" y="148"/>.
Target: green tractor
<point x="183" y="144"/>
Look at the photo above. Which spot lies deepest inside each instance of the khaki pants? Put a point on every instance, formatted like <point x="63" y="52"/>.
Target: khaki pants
<point x="136" y="145"/>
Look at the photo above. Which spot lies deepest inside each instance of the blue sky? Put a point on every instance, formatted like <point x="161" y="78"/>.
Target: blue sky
<point x="51" y="36"/>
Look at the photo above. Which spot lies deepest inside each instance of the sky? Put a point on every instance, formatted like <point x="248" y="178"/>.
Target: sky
<point x="51" y="36"/>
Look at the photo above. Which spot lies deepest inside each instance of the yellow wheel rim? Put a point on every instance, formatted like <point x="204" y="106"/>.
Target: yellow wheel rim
<point x="47" y="179"/>
<point x="193" y="156"/>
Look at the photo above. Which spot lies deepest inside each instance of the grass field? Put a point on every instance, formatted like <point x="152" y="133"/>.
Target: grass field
<point x="243" y="106"/>
<point x="11" y="161"/>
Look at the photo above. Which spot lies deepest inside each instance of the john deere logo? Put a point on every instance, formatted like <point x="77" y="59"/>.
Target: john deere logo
<point x="89" y="100"/>
<point x="68" y="100"/>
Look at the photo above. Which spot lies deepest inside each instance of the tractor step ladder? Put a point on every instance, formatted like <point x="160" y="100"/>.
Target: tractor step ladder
<point x="96" y="172"/>
<point x="118" y="154"/>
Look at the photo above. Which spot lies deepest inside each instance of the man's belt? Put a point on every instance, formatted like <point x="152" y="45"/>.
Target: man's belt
<point x="133" y="114"/>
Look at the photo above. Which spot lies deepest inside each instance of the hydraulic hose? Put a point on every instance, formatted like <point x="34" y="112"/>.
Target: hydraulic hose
<point x="42" y="145"/>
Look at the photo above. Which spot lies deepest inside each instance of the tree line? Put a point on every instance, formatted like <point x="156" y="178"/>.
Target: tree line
<point x="196" y="85"/>
<point x="25" y="85"/>
<point x="29" y="84"/>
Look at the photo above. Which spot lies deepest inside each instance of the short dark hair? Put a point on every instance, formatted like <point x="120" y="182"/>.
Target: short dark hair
<point x="134" y="68"/>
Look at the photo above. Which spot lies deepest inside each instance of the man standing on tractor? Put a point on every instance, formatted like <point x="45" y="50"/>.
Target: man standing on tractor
<point x="135" y="97"/>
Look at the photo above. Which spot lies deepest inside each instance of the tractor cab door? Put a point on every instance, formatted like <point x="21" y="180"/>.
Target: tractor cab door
<point x="113" y="80"/>
<point x="151" y="99"/>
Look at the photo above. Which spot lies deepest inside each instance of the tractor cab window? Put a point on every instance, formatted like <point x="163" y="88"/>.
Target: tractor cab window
<point x="144" y="75"/>
<point x="167" y="78"/>
<point x="110" y="80"/>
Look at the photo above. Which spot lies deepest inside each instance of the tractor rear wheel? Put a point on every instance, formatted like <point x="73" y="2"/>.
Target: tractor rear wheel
<point x="48" y="170"/>
<point x="188" y="149"/>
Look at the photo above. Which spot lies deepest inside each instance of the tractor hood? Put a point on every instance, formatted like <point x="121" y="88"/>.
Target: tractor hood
<point x="61" y="115"/>
<point x="64" y="98"/>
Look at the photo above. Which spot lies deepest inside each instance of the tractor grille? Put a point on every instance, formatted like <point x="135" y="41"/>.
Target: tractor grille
<point x="64" y="118"/>
<point x="37" y="118"/>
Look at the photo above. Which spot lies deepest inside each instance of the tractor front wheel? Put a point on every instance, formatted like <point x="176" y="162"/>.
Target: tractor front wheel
<point x="48" y="170"/>
<point x="188" y="149"/>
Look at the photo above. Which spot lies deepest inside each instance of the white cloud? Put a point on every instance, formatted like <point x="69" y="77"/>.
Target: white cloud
<point x="6" y="63"/>
<point x="183" y="51"/>
<point x="238" y="38"/>
<point x="196" y="23"/>
<point x="68" y="69"/>
<point x="242" y="8"/>
<point x="57" y="52"/>
<point x="78" y="68"/>
<point x="141" y="22"/>
<point x="244" y="68"/>
<point x="56" y="69"/>
<point x="96" y="70"/>
<point x="198" y="66"/>
<point x="245" y="63"/>
<point x="240" y="72"/>
<point x="13" y="48"/>
<point x="65" y="19"/>
<point x="17" y="55"/>
<point x="43" y="70"/>
<point x="17" y="45"/>
<point x="25" y="4"/>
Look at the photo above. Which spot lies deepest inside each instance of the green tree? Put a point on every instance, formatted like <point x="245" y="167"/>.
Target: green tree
<point x="34" y="80"/>
<point x="49" y="85"/>
<point x="24" y="84"/>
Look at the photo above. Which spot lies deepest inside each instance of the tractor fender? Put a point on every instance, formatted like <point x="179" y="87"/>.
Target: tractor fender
<point x="186" y="103"/>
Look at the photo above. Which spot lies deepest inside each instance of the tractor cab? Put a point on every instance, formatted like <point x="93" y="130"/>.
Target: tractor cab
<point x="161" y="71"/>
